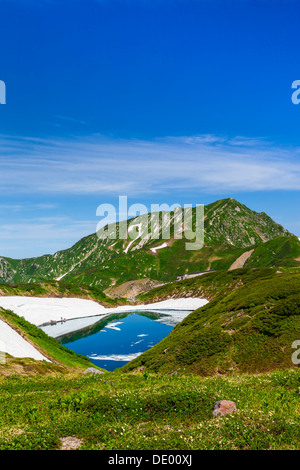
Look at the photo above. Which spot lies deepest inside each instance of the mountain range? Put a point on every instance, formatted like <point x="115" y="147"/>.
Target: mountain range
<point x="234" y="237"/>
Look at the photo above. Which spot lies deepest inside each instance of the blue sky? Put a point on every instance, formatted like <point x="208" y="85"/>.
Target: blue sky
<point x="165" y="101"/>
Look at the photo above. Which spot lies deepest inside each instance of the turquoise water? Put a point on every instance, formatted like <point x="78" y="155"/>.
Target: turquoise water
<point x="119" y="341"/>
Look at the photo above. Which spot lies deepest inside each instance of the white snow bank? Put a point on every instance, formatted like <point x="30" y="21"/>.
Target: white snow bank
<point x="59" y="278"/>
<point x="128" y="246"/>
<point x="40" y="310"/>
<point x="186" y="303"/>
<point x="164" y="245"/>
<point x="12" y="343"/>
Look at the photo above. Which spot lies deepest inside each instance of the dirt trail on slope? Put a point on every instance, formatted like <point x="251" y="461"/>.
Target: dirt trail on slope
<point x="241" y="260"/>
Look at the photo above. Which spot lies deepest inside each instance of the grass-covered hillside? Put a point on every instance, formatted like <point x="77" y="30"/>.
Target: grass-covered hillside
<point x="209" y="286"/>
<point x="282" y="252"/>
<point x="59" y="289"/>
<point x="248" y="326"/>
<point x="136" y="411"/>
<point x="237" y="347"/>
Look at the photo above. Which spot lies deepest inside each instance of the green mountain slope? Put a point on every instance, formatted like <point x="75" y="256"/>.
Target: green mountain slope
<point x="209" y="286"/>
<point x="59" y="289"/>
<point x="229" y="222"/>
<point x="248" y="326"/>
<point x="231" y="229"/>
<point x="281" y="251"/>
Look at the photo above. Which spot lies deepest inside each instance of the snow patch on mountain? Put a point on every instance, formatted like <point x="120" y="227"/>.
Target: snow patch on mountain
<point x="164" y="245"/>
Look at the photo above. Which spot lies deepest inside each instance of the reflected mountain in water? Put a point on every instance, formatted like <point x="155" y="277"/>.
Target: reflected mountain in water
<point x="101" y="324"/>
<point x="118" y="338"/>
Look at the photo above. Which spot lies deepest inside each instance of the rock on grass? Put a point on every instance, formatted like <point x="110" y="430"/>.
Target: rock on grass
<point x="223" y="407"/>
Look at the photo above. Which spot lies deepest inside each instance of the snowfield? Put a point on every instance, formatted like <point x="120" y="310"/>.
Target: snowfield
<point x="12" y="343"/>
<point x="41" y="311"/>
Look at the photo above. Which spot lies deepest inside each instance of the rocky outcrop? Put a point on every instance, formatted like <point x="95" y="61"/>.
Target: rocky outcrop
<point x="223" y="407"/>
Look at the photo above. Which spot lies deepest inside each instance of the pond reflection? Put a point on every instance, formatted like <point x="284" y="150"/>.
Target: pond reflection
<point x="117" y="339"/>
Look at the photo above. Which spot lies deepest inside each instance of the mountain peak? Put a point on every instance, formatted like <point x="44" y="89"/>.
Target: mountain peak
<point x="230" y="227"/>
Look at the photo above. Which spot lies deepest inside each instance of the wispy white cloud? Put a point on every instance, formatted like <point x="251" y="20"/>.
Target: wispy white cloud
<point x="101" y="165"/>
<point x="39" y="178"/>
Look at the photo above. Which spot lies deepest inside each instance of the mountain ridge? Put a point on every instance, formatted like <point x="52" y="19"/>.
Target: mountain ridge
<point x="230" y="229"/>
